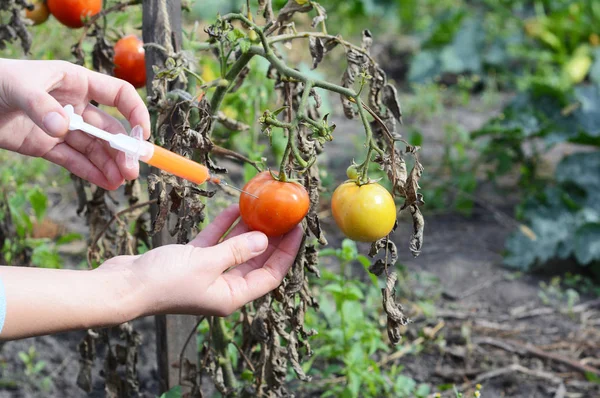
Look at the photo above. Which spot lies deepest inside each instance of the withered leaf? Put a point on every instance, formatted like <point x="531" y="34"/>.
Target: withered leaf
<point x="395" y="315"/>
<point x="102" y="55"/>
<point x="317" y="97"/>
<point x="266" y="8"/>
<point x="390" y="255"/>
<point x="321" y="14"/>
<point x="416" y="240"/>
<point x="412" y="186"/>
<point x="376" y="84"/>
<point x="290" y="8"/>
<point x="356" y="62"/>
<point x="316" y="50"/>
<point x="395" y="170"/>
<point x="367" y="40"/>
<point x="390" y="100"/>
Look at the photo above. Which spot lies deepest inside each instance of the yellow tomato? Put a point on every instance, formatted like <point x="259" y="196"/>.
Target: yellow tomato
<point x="40" y="12"/>
<point x="363" y="213"/>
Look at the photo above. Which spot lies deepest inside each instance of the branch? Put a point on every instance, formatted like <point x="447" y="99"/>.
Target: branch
<point x="92" y="21"/>
<point x="109" y="223"/>
<point x="280" y="65"/>
<point x="520" y="348"/>
<point x="306" y="35"/>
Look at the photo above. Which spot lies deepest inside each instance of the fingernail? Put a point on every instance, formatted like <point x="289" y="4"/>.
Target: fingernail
<point x="55" y="124"/>
<point x="257" y="242"/>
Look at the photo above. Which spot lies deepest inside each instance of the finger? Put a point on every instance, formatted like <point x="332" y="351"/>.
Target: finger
<point x="97" y="153"/>
<point x="261" y="281"/>
<point x="63" y="155"/>
<point x="115" y="92"/>
<point x="258" y="261"/>
<point x="213" y="232"/>
<point x="102" y="120"/>
<point x="281" y="247"/>
<point x="44" y="110"/>
<point x="235" y="251"/>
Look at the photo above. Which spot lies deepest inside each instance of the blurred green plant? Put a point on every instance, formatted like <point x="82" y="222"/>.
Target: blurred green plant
<point x="34" y="369"/>
<point x="23" y="205"/>
<point x="350" y="321"/>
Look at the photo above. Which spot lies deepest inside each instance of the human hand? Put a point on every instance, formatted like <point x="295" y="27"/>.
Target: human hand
<point x="33" y="122"/>
<point x="206" y="277"/>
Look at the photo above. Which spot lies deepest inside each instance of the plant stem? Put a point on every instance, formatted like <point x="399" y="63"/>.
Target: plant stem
<point x="221" y="343"/>
<point x="341" y="309"/>
<point x="236" y="68"/>
<point x="364" y="167"/>
<point x="281" y="66"/>
<point x="306" y="35"/>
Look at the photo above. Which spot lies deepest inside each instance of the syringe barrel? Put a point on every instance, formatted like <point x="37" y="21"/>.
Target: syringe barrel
<point x="178" y="165"/>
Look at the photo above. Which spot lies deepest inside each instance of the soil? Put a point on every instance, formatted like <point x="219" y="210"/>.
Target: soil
<point x="480" y="306"/>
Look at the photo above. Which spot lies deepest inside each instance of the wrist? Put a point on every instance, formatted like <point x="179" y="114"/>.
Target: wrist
<point x="125" y="300"/>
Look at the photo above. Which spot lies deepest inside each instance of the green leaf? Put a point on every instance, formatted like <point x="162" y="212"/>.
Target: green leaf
<point x="595" y="69"/>
<point x="587" y="243"/>
<point x="174" y="392"/>
<point x="404" y="386"/>
<point x="245" y="45"/>
<point x="68" y="238"/>
<point x="38" y="367"/>
<point x="591" y="377"/>
<point x="564" y="220"/>
<point x="235" y="35"/>
<point x="23" y="357"/>
<point x="38" y="201"/>
<point x="423" y="391"/>
<point x="45" y="256"/>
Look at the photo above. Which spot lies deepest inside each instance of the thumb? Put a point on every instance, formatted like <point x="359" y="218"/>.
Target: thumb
<point x="45" y="111"/>
<point x="237" y="250"/>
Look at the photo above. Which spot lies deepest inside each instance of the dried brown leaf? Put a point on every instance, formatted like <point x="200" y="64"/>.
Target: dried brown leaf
<point x="390" y="100"/>
<point x="266" y="8"/>
<point x="395" y="315"/>
<point x="290" y="8"/>
<point x="316" y="50"/>
<point x="416" y="240"/>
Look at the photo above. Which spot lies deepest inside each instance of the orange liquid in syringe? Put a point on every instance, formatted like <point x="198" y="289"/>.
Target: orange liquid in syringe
<point x="178" y="165"/>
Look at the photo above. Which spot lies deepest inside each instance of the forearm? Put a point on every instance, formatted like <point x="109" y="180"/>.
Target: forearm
<point x="44" y="301"/>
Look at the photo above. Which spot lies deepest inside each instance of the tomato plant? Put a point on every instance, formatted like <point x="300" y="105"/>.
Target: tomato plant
<point x="364" y="213"/>
<point x="72" y="13"/>
<point x="280" y="206"/>
<point x="130" y="61"/>
<point x="258" y="108"/>
<point x="39" y="12"/>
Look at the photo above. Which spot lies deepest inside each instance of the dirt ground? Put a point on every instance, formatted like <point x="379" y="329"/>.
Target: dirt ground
<point x="490" y="325"/>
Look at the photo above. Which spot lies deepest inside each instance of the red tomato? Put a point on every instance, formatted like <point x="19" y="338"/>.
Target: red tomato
<point x="130" y="61"/>
<point x="279" y="208"/>
<point x="71" y="12"/>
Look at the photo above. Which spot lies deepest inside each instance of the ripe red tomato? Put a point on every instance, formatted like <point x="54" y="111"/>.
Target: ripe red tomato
<point x="71" y="12"/>
<point x="364" y="213"/>
<point x="279" y="208"/>
<point x="40" y="12"/>
<point x="130" y="61"/>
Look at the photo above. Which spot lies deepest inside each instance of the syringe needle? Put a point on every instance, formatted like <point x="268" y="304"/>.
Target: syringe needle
<point x="237" y="189"/>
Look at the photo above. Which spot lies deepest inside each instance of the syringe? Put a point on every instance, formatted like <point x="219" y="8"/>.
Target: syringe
<point x="136" y="148"/>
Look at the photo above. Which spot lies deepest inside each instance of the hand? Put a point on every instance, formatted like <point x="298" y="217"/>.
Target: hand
<point x="210" y="278"/>
<point x="33" y="122"/>
<point x="203" y="277"/>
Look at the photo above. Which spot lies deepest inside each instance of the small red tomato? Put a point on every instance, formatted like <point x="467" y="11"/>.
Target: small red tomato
<point x="130" y="61"/>
<point x="279" y="208"/>
<point x="71" y="12"/>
